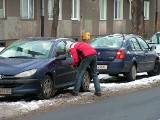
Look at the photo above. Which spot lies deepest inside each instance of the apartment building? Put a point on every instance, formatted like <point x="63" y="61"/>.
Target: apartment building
<point x="33" y="18"/>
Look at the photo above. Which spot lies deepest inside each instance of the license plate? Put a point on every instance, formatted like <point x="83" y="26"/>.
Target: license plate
<point x="5" y="91"/>
<point x="101" y="66"/>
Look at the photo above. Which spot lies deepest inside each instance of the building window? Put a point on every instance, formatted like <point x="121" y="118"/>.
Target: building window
<point x="50" y="9"/>
<point x="146" y="10"/>
<point x="2" y="8"/>
<point x="103" y="9"/>
<point x="27" y="9"/>
<point x="118" y="9"/>
<point x="75" y="10"/>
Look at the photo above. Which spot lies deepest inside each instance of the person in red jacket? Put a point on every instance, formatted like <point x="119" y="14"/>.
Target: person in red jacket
<point x="84" y="55"/>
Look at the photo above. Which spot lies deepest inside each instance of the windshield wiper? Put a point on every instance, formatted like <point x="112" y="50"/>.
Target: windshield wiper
<point x="26" y="57"/>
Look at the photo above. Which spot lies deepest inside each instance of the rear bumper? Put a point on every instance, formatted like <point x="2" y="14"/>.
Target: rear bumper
<point x="115" y="67"/>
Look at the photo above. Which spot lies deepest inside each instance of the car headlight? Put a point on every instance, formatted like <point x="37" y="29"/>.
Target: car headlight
<point x="26" y="73"/>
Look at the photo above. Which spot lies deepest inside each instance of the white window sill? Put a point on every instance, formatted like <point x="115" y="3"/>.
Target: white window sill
<point x="52" y="19"/>
<point x="75" y="19"/>
<point x="103" y="19"/>
<point x="118" y="19"/>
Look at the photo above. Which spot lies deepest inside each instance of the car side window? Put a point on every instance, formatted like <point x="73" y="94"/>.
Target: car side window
<point x="143" y="44"/>
<point x="134" y="44"/>
<point x="60" y="48"/>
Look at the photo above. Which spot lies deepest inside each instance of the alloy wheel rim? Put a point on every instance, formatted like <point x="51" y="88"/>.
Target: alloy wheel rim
<point x="47" y="87"/>
<point x="134" y="72"/>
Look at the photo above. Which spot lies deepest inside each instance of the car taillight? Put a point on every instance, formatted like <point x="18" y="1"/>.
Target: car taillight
<point x="120" y="54"/>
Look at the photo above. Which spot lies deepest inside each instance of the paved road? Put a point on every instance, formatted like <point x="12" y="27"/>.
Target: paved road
<point x="141" y="105"/>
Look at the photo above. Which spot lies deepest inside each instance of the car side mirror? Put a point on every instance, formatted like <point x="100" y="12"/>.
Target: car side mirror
<point x="61" y="51"/>
<point x="61" y="57"/>
<point x="153" y="48"/>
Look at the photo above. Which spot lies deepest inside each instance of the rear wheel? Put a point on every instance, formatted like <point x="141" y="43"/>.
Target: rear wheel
<point x="47" y="90"/>
<point x="131" y="75"/>
<point x="156" y="69"/>
<point x="85" y="82"/>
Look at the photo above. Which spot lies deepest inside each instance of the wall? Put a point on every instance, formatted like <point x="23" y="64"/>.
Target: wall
<point x="13" y="28"/>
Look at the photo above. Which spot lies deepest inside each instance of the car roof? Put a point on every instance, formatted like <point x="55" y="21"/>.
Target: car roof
<point x="157" y="33"/>
<point x="48" y="39"/>
<point x="125" y="36"/>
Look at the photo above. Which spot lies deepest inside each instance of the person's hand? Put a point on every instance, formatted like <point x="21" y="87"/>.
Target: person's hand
<point x="71" y="66"/>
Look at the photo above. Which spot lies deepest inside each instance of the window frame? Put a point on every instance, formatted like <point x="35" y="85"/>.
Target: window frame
<point x="3" y="9"/>
<point x="130" y="9"/>
<point x="117" y="8"/>
<point x="77" y="17"/>
<point x="28" y="9"/>
<point x="103" y="4"/>
<point x="60" y="10"/>
<point x="146" y="10"/>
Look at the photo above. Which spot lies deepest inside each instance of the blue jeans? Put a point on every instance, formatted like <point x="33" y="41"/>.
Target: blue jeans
<point x="86" y="62"/>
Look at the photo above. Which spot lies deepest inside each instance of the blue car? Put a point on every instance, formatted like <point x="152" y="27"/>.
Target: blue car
<point x="125" y="54"/>
<point x="38" y="66"/>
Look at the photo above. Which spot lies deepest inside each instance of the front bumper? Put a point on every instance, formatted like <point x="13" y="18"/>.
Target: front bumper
<point x="19" y="86"/>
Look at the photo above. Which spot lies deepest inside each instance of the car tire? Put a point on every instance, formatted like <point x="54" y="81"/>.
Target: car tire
<point x="47" y="90"/>
<point x="156" y="69"/>
<point x="131" y="75"/>
<point x="85" y="82"/>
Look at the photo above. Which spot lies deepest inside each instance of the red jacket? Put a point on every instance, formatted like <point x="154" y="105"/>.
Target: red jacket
<point x="85" y="50"/>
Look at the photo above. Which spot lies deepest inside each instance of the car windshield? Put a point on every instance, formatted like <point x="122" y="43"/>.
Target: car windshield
<point x="153" y="39"/>
<point x="27" y="49"/>
<point x="107" y="42"/>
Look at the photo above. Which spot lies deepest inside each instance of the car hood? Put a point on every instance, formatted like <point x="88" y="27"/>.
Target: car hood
<point x="12" y="66"/>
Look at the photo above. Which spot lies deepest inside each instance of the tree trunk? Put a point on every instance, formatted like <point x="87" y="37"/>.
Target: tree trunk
<point x="142" y="25"/>
<point x="137" y="12"/>
<point x="55" y="18"/>
<point x="134" y="17"/>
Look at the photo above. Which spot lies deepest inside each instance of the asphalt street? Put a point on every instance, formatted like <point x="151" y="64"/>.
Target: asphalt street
<point x="140" y="105"/>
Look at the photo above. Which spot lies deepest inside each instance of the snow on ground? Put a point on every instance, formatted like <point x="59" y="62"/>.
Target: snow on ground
<point x="20" y="107"/>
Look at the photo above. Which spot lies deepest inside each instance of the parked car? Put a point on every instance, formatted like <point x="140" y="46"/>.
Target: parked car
<point x="38" y="66"/>
<point x="155" y="41"/>
<point x="125" y="54"/>
<point x="1" y="48"/>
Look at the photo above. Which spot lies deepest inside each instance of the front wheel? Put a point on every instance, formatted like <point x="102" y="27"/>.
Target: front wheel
<point x="47" y="90"/>
<point x="156" y="69"/>
<point x="85" y="82"/>
<point x="131" y="75"/>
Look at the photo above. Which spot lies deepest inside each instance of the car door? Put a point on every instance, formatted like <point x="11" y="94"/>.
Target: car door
<point x="149" y="55"/>
<point x="137" y="54"/>
<point x="63" y="69"/>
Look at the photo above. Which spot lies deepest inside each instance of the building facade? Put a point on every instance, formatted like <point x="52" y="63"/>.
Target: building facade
<point x="33" y="18"/>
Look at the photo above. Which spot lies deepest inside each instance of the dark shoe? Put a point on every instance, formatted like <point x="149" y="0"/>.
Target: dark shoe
<point x="97" y="94"/>
<point x="74" y="93"/>
<point x="87" y="91"/>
